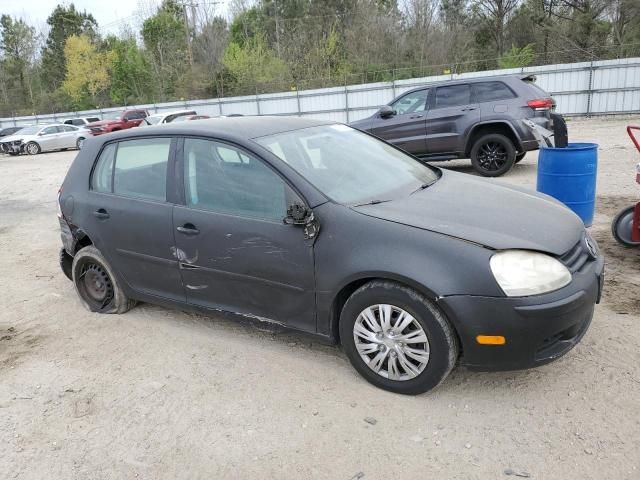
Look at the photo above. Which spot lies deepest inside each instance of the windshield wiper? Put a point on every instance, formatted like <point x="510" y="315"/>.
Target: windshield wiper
<point x="371" y="202"/>
<point x="422" y="187"/>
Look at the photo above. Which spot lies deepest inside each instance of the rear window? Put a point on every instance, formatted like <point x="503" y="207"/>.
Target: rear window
<point x="491" y="91"/>
<point x="452" y="95"/>
<point x="539" y="91"/>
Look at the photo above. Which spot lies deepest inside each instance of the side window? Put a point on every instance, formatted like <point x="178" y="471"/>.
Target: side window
<point x="411" y="102"/>
<point x="491" y="91"/>
<point x="93" y="119"/>
<point x="101" y="180"/>
<point x="452" y="96"/>
<point x="141" y="168"/>
<point x="77" y="121"/>
<point x="68" y="122"/>
<point x="69" y="128"/>
<point x="221" y="178"/>
<point x="50" y="130"/>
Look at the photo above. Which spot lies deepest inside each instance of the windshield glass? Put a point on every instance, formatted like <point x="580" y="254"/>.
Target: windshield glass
<point x="153" y="119"/>
<point x="112" y="116"/>
<point x="29" y="130"/>
<point x="349" y="166"/>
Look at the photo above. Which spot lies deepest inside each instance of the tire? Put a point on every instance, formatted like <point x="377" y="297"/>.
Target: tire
<point x="621" y="227"/>
<point x="441" y="346"/>
<point x="493" y="155"/>
<point x="93" y="277"/>
<point x="79" y="143"/>
<point x="32" y="148"/>
<point x="520" y="156"/>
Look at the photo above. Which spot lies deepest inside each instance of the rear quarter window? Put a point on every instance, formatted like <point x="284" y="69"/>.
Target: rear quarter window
<point x="491" y="92"/>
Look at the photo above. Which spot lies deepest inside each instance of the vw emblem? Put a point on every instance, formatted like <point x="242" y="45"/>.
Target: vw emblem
<point x="591" y="247"/>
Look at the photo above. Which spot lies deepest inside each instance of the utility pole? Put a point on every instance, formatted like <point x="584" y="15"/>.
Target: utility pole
<point x="186" y="30"/>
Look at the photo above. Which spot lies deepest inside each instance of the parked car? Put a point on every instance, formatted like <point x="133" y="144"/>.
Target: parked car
<point x="115" y="121"/>
<point x="6" y="132"/>
<point x="323" y="228"/>
<point x="185" y="118"/>
<point x="166" y="117"/>
<point x="477" y="118"/>
<point x="81" y="121"/>
<point x="43" y="138"/>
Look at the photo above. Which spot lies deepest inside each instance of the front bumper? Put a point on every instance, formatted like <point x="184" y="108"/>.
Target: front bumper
<point x="538" y="329"/>
<point x="12" y="147"/>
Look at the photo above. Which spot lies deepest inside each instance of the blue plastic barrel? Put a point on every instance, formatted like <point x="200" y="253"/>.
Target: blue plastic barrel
<point x="569" y="174"/>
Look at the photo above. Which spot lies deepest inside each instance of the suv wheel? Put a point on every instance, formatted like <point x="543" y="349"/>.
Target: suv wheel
<point x="493" y="155"/>
<point x="96" y="284"/>
<point x="396" y="338"/>
<point x="520" y="156"/>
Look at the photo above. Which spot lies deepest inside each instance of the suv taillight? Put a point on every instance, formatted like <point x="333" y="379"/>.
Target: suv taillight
<point x="541" y="103"/>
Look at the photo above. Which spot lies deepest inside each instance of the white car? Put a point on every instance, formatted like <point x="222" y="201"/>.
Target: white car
<point x="165" y="117"/>
<point x="43" y="138"/>
<point x="80" y="121"/>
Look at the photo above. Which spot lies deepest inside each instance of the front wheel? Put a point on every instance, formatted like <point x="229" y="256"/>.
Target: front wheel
<point x="96" y="284"/>
<point x="396" y="338"/>
<point x="520" y="157"/>
<point x="32" y="148"/>
<point x="622" y="226"/>
<point x="493" y="155"/>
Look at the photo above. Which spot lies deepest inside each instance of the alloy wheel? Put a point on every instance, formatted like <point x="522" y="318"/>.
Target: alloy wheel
<point x="391" y="342"/>
<point x="492" y="156"/>
<point x="32" y="149"/>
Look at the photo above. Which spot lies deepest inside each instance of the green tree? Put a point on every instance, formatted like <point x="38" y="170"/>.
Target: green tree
<point x="517" y="57"/>
<point x="17" y="45"/>
<point x="131" y="72"/>
<point x="64" y="22"/>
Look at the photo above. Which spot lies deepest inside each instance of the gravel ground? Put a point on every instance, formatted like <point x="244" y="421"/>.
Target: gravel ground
<point x="159" y="393"/>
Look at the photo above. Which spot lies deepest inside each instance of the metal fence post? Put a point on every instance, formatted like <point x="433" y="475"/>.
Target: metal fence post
<point x="220" y="106"/>
<point x="257" y="101"/>
<point x="298" y="101"/>
<point x="346" y="101"/>
<point x="590" y="90"/>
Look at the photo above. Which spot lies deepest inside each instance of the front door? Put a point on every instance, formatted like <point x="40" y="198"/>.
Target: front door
<point x="129" y="218"/>
<point x="235" y="252"/>
<point x="450" y="115"/>
<point x="405" y="129"/>
<point x="49" y="138"/>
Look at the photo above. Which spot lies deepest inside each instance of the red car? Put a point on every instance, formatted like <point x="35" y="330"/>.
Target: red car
<point x="115" y="121"/>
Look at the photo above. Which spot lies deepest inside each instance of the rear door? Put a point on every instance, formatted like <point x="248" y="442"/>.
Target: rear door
<point x="129" y="214"/>
<point x="235" y="252"/>
<point x="67" y="138"/>
<point x="451" y="114"/>
<point x="407" y="128"/>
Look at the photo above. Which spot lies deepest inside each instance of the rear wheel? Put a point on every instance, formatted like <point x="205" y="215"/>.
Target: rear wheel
<point x="96" y="284"/>
<point x="621" y="227"/>
<point x="493" y="155"/>
<point x="396" y="338"/>
<point x="32" y="148"/>
<point x="79" y="143"/>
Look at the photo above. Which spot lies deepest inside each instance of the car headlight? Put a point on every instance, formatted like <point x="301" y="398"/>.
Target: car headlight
<point x="522" y="272"/>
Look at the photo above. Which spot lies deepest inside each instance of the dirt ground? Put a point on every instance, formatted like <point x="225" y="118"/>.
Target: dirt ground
<point x="158" y="393"/>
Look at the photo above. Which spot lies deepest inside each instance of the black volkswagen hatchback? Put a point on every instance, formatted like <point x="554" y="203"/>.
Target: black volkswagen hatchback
<point x="328" y="230"/>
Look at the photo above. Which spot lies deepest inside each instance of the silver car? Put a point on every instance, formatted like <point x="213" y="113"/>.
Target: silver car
<point x="43" y="138"/>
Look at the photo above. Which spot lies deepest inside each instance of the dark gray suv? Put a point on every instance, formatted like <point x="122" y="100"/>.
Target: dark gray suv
<point x="479" y="118"/>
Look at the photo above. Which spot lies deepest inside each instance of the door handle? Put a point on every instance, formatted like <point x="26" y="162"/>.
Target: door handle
<point x="101" y="213"/>
<point x="416" y="116"/>
<point x="188" y="229"/>
<point x="466" y="109"/>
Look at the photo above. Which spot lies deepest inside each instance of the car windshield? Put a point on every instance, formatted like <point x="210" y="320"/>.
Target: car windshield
<point x="113" y="116"/>
<point x="30" y="130"/>
<point x="181" y="118"/>
<point x="153" y="119"/>
<point x="349" y="166"/>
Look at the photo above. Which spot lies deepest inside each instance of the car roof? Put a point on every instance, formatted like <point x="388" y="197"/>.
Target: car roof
<point x="245" y="127"/>
<point x="457" y="81"/>
<point x="173" y="112"/>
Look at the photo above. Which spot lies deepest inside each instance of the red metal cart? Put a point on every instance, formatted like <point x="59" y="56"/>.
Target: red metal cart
<point x="626" y="225"/>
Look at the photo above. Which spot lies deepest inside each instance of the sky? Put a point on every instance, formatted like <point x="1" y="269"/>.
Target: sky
<point x="110" y="14"/>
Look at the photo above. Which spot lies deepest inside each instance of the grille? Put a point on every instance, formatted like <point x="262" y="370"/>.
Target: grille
<point x="576" y="258"/>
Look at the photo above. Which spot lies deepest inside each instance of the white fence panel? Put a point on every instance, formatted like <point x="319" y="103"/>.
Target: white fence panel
<point x="586" y="88"/>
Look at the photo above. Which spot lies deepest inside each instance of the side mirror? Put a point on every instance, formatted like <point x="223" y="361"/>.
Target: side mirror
<point x="386" y="111"/>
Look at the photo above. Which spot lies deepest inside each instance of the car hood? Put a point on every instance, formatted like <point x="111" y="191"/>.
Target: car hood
<point x="494" y="215"/>
<point x="13" y="138"/>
